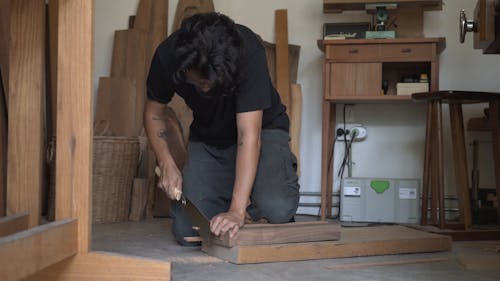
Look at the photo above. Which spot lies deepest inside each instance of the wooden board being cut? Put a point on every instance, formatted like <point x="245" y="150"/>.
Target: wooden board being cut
<point x="355" y="242"/>
<point x="267" y="234"/>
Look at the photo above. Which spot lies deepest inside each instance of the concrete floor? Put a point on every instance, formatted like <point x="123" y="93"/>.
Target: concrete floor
<point x="152" y="239"/>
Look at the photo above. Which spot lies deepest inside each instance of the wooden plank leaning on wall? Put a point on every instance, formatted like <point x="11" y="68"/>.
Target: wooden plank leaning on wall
<point x="26" y="93"/>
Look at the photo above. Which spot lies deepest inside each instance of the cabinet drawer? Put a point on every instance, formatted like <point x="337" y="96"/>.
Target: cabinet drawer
<point x="352" y="52"/>
<point x="408" y="51"/>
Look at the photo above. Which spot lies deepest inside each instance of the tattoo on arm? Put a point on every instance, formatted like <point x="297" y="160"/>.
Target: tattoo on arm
<point x="162" y="134"/>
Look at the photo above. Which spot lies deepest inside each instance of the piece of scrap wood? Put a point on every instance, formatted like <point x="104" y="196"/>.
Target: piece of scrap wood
<point x="267" y="234"/>
<point x="385" y="263"/>
<point x="193" y="239"/>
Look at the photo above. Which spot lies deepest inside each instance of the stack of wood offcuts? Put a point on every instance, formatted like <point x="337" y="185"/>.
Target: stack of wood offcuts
<point x="119" y="110"/>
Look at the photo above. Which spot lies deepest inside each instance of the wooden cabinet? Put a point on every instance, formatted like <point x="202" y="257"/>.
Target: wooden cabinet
<point x="354" y="79"/>
<point x="354" y="71"/>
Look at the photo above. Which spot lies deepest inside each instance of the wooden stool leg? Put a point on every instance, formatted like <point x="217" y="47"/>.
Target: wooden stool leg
<point x="460" y="161"/>
<point x="495" y="130"/>
<point x="434" y="167"/>
<point x="439" y="164"/>
<point x="329" y="111"/>
<point x="427" y="166"/>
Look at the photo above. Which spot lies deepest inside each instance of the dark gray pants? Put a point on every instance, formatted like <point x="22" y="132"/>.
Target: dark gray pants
<point x="208" y="179"/>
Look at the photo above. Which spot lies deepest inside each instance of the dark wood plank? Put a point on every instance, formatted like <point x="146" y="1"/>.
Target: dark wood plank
<point x="460" y="164"/>
<point x="355" y="242"/>
<point x="282" y="65"/>
<point x="26" y="110"/>
<point x="268" y="234"/>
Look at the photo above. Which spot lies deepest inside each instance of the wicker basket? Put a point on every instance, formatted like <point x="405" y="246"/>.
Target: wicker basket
<point x="115" y="161"/>
<point x="114" y="168"/>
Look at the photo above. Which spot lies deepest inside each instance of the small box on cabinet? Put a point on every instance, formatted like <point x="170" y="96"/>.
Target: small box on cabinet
<point x="406" y="89"/>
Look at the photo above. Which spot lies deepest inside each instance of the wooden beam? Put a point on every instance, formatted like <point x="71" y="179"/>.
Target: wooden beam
<point x="267" y="234"/>
<point x="27" y="252"/>
<point x="74" y="117"/>
<point x="26" y="95"/>
<point x="13" y="224"/>
<point x="105" y="267"/>
<point x="282" y="66"/>
<point x="355" y="242"/>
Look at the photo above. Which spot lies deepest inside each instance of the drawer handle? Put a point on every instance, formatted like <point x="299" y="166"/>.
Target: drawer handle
<point x="353" y="51"/>
<point x="406" y="50"/>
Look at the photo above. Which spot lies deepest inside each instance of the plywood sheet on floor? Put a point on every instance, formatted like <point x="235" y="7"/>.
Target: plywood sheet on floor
<point x="354" y="242"/>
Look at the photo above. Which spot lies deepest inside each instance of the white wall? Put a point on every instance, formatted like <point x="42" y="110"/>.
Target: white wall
<point x="395" y="143"/>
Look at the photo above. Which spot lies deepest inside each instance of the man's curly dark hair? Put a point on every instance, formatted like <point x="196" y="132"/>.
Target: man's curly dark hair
<point x="209" y="43"/>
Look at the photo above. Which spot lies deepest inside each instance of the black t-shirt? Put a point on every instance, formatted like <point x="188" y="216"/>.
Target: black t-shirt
<point x="215" y="116"/>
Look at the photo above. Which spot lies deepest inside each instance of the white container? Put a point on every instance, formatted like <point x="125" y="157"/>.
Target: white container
<point x="406" y="89"/>
<point x="380" y="200"/>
